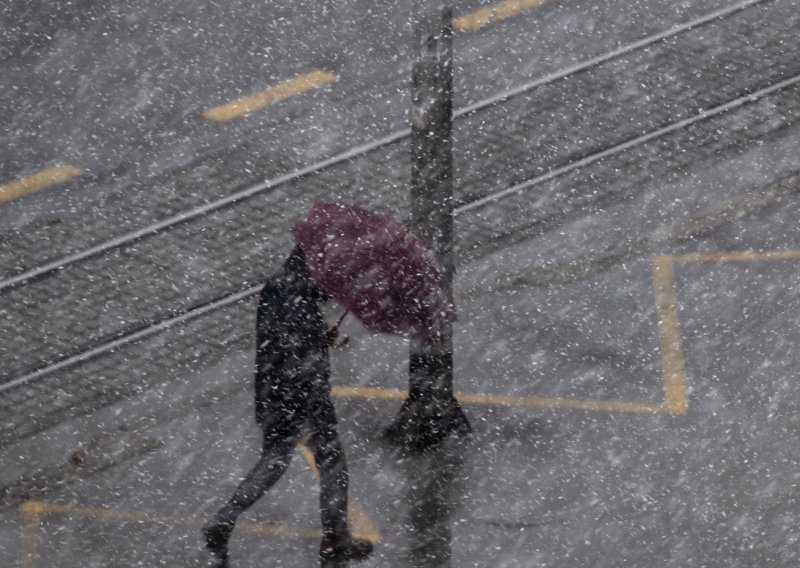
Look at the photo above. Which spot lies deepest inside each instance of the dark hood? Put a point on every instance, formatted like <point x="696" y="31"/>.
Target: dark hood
<point x="296" y="271"/>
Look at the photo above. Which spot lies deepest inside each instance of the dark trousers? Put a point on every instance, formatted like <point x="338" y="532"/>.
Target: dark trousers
<point x="282" y="430"/>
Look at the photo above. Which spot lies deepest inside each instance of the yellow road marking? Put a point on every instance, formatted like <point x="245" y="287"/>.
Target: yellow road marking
<point x="747" y="255"/>
<point x="675" y="391"/>
<point x="559" y="402"/>
<point x="511" y="401"/>
<point x="495" y="13"/>
<point x="368" y="392"/>
<point x="669" y="336"/>
<point x="669" y="328"/>
<point x="30" y="512"/>
<point x="362" y="524"/>
<point x="247" y="104"/>
<point x="37" y="181"/>
<point x="308" y="455"/>
<point x="39" y="508"/>
<point x="675" y="384"/>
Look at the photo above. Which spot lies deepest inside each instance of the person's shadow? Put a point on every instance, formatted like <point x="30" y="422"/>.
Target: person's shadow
<point x="434" y="493"/>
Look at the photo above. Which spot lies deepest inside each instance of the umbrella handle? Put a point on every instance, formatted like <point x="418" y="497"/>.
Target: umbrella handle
<point x="333" y="332"/>
<point x="341" y="319"/>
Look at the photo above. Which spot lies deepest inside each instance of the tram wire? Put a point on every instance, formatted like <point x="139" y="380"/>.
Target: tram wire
<point x="250" y="289"/>
<point x="44" y="270"/>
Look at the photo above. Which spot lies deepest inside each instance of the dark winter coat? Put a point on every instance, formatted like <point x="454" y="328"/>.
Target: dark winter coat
<point x="292" y="359"/>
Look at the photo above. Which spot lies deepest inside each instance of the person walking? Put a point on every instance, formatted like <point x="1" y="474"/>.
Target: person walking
<point x="292" y="390"/>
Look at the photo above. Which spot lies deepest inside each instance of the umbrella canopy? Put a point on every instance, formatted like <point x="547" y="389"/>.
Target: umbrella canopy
<point x="376" y="268"/>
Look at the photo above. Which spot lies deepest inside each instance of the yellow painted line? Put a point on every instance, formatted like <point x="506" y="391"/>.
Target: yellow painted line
<point x="558" y="402"/>
<point x="511" y="401"/>
<point x="738" y="256"/>
<point x="247" y="104"/>
<point x="33" y="507"/>
<point x="308" y="455"/>
<point x="495" y="13"/>
<point x="31" y="512"/>
<point x="37" y="181"/>
<point x="362" y="525"/>
<point x="368" y="392"/>
<point x="274" y="529"/>
<point x="29" y="550"/>
<point x="669" y="336"/>
<point x="669" y="327"/>
<point x="675" y="383"/>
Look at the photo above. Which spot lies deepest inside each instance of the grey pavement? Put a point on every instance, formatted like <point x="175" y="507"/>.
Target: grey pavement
<point x="541" y="484"/>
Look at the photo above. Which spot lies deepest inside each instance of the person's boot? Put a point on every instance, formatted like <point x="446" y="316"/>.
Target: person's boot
<point x="335" y="552"/>
<point x="217" y="535"/>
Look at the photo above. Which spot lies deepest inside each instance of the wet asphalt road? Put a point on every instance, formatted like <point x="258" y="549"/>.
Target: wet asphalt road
<point x="117" y="90"/>
<point x="556" y="326"/>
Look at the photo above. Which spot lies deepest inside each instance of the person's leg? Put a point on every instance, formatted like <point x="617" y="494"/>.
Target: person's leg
<point x="270" y="467"/>
<point x="332" y="466"/>
<point x="276" y="454"/>
<point x="337" y="543"/>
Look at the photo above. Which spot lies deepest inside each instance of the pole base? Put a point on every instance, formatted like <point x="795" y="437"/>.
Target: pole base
<point x="424" y="423"/>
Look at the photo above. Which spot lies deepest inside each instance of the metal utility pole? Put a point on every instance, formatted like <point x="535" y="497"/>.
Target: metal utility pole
<point x="430" y="413"/>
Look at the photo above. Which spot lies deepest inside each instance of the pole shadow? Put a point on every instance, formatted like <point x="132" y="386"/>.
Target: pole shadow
<point x="435" y="490"/>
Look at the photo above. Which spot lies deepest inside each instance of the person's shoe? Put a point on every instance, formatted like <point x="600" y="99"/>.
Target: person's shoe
<point x="217" y="535"/>
<point x="335" y="551"/>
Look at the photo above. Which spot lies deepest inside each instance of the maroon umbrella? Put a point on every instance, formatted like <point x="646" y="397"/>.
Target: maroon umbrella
<point x="376" y="267"/>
